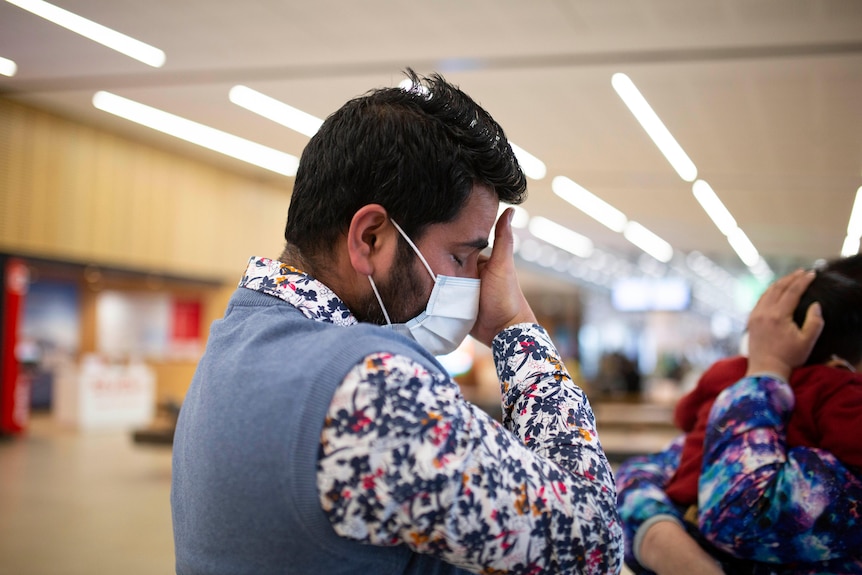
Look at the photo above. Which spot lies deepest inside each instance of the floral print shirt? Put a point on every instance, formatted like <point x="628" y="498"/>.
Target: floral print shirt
<point x="776" y="510"/>
<point x="404" y="459"/>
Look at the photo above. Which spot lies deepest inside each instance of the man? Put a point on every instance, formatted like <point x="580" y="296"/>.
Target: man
<point x="321" y="436"/>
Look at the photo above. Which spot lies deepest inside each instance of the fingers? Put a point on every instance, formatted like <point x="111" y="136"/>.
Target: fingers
<point x="813" y="324"/>
<point x="790" y="287"/>
<point x="776" y="343"/>
<point x="501" y="302"/>
<point x="797" y="282"/>
<point x="783" y="295"/>
<point x="503" y="242"/>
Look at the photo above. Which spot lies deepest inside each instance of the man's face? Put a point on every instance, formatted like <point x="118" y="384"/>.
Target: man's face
<point x="451" y="248"/>
<point x="402" y="289"/>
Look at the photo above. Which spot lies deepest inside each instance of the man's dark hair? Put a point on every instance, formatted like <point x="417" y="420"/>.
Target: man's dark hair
<point x="838" y="288"/>
<point x="416" y="151"/>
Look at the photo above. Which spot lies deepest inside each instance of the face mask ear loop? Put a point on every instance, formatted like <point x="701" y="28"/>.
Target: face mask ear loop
<point x="415" y="249"/>
<point x="379" y="301"/>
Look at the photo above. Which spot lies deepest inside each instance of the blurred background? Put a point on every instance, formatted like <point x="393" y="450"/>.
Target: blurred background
<point x="680" y="156"/>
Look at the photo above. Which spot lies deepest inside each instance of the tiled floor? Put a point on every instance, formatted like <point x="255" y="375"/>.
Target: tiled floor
<point x="84" y="503"/>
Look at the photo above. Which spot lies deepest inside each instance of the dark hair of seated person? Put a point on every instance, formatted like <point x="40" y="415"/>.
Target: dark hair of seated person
<point x="838" y="289"/>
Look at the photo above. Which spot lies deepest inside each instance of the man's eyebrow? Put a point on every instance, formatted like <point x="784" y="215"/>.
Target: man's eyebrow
<point x="479" y="243"/>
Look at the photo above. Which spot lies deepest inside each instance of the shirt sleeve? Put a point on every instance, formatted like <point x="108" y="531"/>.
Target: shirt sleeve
<point x="405" y="459"/>
<point x="641" y="497"/>
<point x="760" y="499"/>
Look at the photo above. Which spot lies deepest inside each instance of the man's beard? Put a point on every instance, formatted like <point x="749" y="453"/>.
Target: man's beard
<point x="403" y="293"/>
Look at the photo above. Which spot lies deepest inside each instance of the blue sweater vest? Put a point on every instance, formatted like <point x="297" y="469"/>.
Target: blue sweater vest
<point x="244" y="489"/>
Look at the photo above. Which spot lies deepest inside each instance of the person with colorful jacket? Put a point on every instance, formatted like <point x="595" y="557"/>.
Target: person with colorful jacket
<point x="764" y="507"/>
<point x="827" y="387"/>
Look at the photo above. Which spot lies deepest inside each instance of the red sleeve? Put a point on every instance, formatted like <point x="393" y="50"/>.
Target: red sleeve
<point x="721" y="374"/>
<point x="839" y="420"/>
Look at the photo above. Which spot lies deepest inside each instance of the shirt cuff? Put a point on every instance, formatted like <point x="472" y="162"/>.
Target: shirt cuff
<point x="768" y="374"/>
<point x="525" y="325"/>
<point x="641" y="532"/>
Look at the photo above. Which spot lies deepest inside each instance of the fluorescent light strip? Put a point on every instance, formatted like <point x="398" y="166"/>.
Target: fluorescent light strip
<point x="199" y="134"/>
<point x="589" y="203"/>
<point x="851" y="246"/>
<point x="708" y="269"/>
<point x="8" y="67"/>
<point x="648" y="242"/>
<point x="306" y="124"/>
<point x="96" y="32"/>
<point x="275" y="110"/>
<point x="743" y="247"/>
<point x="713" y="207"/>
<point x="854" y="227"/>
<point x="727" y="225"/>
<point x="654" y="127"/>
<point x="561" y="236"/>
<point x="761" y="270"/>
<point x="533" y="167"/>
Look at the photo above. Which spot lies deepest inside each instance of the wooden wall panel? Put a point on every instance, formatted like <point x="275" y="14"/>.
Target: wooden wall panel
<point x="13" y="210"/>
<point x="70" y="191"/>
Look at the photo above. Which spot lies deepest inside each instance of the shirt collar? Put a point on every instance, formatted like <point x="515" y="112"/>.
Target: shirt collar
<point x="312" y="298"/>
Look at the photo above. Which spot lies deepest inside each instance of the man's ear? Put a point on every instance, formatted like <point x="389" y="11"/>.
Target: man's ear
<point x="369" y="238"/>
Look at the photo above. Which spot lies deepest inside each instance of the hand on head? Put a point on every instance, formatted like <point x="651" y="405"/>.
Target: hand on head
<point x="501" y="303"/>
<point x="776" y="344"/>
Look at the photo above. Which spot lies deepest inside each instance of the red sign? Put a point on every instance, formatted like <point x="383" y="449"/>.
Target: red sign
<point x="186" y="320"/>
<point x="14" y="384"/>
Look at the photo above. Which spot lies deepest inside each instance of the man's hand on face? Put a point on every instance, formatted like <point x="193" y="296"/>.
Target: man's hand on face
<point x="501" y="303"/>
<point x="776" y="344"/>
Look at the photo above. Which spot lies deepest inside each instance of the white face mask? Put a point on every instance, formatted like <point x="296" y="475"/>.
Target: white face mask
<point x="449" y="316"/>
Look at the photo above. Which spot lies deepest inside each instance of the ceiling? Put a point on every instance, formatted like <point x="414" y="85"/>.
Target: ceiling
<point x="764" y="96"/>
